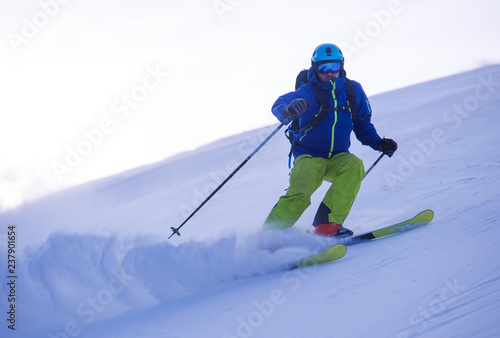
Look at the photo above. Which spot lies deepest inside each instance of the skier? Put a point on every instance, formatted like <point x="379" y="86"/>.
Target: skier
<point x="321" y="144"/>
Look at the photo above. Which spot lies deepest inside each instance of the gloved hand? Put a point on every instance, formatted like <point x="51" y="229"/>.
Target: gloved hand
<point x="295" y="108"/>
<point x="387" y="146"/>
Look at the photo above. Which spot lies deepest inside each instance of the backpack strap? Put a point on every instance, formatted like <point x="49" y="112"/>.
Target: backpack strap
<point x="290" y="133"/>
<point x="293" y="128"/>
<point x="323" y="99"/>
<point x="351" y="97"/>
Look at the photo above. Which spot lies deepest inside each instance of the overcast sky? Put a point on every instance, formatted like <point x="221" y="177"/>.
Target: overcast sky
<point x="92" y="88"/>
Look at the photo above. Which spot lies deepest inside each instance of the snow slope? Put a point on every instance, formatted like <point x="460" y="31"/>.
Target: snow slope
<point x="94" y="261"/>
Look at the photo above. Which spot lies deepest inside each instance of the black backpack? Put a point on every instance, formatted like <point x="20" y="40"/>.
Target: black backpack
<point x="293" y="128"/>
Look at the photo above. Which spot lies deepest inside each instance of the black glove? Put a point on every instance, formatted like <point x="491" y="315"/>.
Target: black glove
<point x="295" y="108"/>
<point x="387" y="146"/>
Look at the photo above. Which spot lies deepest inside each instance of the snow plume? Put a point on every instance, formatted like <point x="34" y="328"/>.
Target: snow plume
<point x="73" y="280"/>
<point x="76" y="280"/>
<point x="172" y="272"/>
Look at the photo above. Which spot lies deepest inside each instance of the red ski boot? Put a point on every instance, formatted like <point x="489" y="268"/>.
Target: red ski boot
<point x="332" y="229"/>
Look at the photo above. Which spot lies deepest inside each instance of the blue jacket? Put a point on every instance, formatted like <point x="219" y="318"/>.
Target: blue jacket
<point x="332" y="135"/>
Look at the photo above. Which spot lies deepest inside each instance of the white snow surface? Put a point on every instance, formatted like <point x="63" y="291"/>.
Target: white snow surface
<point x="95" y="261"/>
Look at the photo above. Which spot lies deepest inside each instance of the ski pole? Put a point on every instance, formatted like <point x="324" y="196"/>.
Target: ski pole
<point x="373" y="165"/>
<point x="176" y="230"/>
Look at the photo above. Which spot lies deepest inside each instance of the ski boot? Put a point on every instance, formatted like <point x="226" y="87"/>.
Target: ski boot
<point x="332" y="230"/>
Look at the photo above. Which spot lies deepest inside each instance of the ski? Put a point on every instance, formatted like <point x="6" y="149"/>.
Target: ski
<point x="423" y="218"/>
<point x="339" y="250"/>
<point x="331" y="254"/>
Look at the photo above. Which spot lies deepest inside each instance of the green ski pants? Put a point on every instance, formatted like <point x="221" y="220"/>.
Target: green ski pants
<point x="344" y="171"/>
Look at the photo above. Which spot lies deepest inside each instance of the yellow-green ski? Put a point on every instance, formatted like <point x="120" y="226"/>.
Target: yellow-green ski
<point x="423" y="218"/>
<point x="339" y="250"/>
<point x="331" y="254"/>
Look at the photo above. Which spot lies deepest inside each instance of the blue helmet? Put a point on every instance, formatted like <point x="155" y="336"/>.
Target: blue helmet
<point x="326" y="52"/>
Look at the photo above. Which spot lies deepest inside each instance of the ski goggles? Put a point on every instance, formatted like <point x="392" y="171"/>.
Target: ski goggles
<point x="333" y="67"/>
